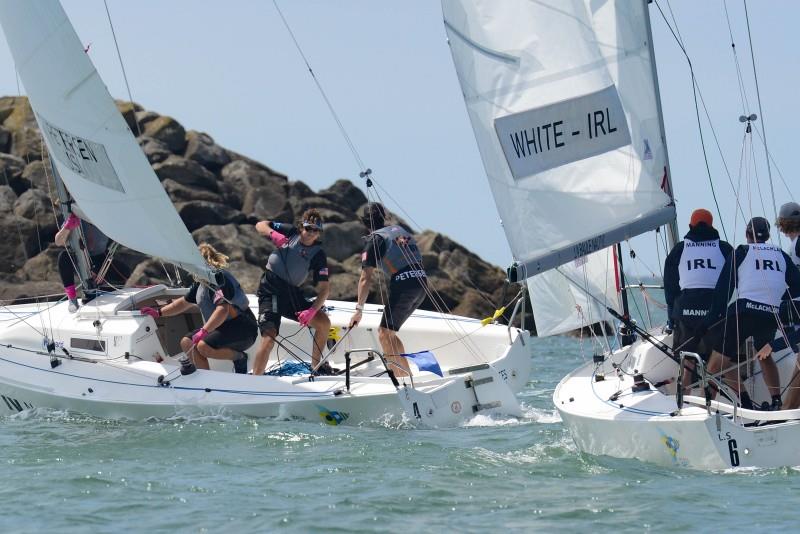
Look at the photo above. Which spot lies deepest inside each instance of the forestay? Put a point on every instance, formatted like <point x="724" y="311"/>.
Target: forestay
<point x="95" y="152"/>
<point x="563" y="102"/>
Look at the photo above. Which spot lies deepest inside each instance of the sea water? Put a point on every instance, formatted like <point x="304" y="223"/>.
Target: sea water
<point x="66" y="472"/>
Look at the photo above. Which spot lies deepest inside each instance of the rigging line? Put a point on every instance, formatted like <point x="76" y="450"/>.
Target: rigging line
<point x="121" y="64"/>
<point x="774" y="163"/>
<point x="695" y="90"/>
<point x="335" y="116"/>
<point x="739" y="76"/>
<point x="761" y="114"/>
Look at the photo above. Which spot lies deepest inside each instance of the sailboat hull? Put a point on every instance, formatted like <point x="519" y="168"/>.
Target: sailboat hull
<point x="606" y="418"/>
<point x="130" y="378"/>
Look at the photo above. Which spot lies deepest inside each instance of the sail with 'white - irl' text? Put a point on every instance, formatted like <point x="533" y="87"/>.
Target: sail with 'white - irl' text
<point x="93" y="148"/>
<point x="563" y="100"/>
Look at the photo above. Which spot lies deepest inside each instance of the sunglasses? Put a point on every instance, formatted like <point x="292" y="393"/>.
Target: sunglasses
<point x="311" y="229"/>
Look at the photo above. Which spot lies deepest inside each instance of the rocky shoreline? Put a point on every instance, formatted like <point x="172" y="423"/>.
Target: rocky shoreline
<point x="219" y="194"/>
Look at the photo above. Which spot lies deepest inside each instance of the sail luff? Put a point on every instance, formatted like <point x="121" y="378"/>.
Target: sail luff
<point x="97" y="157"/>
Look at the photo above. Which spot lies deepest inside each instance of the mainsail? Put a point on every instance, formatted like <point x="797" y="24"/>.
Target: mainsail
<point x="95" y="152"/>
<point x="564" y="105"/>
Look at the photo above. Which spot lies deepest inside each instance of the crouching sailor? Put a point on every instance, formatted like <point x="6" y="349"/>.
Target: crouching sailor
<point x="396" y="251"/>
<point x="298" y="252"/>
<point x="761" y="273"/>
<point x="229" y="327"/>
<point x="691" y="271"/>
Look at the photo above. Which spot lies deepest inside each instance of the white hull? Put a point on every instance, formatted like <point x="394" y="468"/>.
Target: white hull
<point x="122" y="378"/>
<point x="648" y="426"/>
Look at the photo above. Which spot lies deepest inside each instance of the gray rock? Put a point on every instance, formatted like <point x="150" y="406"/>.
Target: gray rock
<point x="20" y="244"/>
<point x="128" y="111"/>
<point x="186" y="172"/>
<point x="199" y="213"/>
<point x="345" y="194"/>
<point x="300" y="205"/>
<point x="181" y="193"/>
<point x="7" y="199"/>
<point x="39" y="175"/>
<point x="201" y="148"/>
<point x="300" y="190"/>
<point x="144" y="118"/>
<point x="341" y="241"/>
<point x="235" y="156"/>
<point x="43" y="266"/>
<point x="154" y="150"/>
<point x="11" y="168"/>
<point x="240" y="242"/>
<point x="243" y="175"/>
<point x="35" y="205"/>
<point x="148" y="272"/>
<point x="5" y="139"/>
<point x="267" y="203"/>
<point x="168" y="131"/>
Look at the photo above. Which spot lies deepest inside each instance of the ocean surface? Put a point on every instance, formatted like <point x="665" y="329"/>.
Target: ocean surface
<point x="70" y="473"/>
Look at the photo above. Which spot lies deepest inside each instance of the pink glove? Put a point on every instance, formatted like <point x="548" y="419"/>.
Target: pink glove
<point x="304" y="317"/>
<point x="72" y="222"/>
<point x="199" y="336"/>
<point x="152" y="312"/>
<point x="278" y="238"/>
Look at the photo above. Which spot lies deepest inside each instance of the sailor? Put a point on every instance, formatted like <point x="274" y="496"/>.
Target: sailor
<point x="95" y="243"/>
<point x="760" y="273"/>
<point x="396" y="251"/>
<point x="789" y="224"/>
<point x="298" y="251"/>
<point x="229" y="326"/>
<point x="691" y="271"/>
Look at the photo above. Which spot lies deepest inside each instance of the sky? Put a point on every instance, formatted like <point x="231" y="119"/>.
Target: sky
<point x="231" y="69"/>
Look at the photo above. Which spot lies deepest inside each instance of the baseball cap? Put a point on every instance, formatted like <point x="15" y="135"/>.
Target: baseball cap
<point x="758" y="228"/>
<point x="701" y="216"/>
<point x="790" y="210"/>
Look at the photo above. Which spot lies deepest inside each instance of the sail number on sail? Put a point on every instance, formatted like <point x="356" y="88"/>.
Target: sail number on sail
<point x="543" y="138"/>
<point x="85" y="158"/>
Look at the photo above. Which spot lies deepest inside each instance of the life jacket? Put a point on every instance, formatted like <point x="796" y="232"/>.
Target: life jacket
<point x="700" y="264"/>
<point x="292" y="262"/>
<point x="401" y="250"/>
<point x="206" y="297"/>
<point x="762" y="274"/>
<point x="794" y="252"/>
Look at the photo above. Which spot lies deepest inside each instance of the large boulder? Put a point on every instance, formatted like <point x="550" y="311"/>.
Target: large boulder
<point x="168" y="131"/>
<point x="235" y="156"/>
<point x="15" y="291"/>
<point x="341" y="241"/>
<point x="267" y="203"/>
<point x="186" y="172"/>
<point x="154" y="150"/>
<point x="5" y="139"/>
<point x="7" y="199"/>
<point x="323" y="205"/>
<point x="180" y="193"/>
<point x="25" y="139"/>
<point x="147" y="273"/>
<point x="21" y="242"/>
<point x="199" y="213"/>
<point x="34" y="205"/>
<point x="38" y="174"/>
<point x="344" y="286"/>
<point x="345" y="194"/>
<point x="143" y="118"/>
<point x="43" y="266"/>
<point x="200" y="147"/>
<point x="11" y="168"/>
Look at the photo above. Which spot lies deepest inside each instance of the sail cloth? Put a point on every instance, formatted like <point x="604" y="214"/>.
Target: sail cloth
<point x="93" y="149"/>
<point x="563" y="102"/>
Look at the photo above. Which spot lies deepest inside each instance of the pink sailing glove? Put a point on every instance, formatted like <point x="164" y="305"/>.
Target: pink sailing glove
<point x="152" y="312"/>
<point x="199" y="336"/>
<point x="278" y="238"/>
<point x="72" y="222"/>
<point x="304" y="317"/>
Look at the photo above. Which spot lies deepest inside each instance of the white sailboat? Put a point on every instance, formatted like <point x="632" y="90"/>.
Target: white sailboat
<point x="563" y="98"/>
<point x="110" y="360"/>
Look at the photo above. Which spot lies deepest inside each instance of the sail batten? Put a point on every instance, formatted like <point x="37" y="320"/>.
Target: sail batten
<point x="96" y="155"/>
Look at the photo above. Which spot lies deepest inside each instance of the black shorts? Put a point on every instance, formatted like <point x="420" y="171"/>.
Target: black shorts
<point x="732" y="332"/>
<point x="683" y="338"/>
<point x="237" y="334"/>
<point x="277" y="299"/>
<point x="404" y="297"/>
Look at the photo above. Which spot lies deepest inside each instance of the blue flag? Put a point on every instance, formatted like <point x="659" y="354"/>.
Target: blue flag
<point x="426" y="361"/>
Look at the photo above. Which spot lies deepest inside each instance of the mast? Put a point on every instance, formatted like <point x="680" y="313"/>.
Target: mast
<point x="672" y="228"/>
<point x="79" y="254"/>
